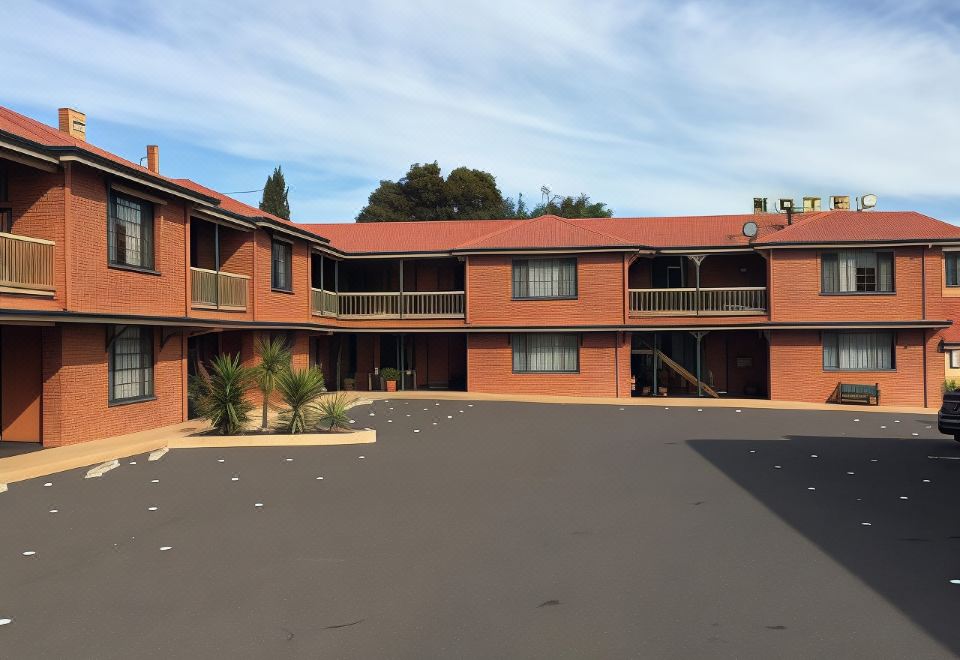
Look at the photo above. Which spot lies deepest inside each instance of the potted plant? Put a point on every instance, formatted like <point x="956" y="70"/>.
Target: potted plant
<point x="390" y="376"/>
<point x="349" y="383"/>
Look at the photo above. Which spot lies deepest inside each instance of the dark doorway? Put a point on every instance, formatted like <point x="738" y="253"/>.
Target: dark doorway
<point x="21" y="384"/>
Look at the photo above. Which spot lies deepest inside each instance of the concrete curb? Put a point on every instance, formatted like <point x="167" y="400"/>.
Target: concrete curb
<point x="302" y="440"/>
<point x="679" y="402"/>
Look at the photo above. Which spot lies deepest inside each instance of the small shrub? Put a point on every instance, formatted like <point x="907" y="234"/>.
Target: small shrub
<point x="299" y="389"/>
<point x="332" y="410"/>
<point x="390" y="374"/>
<point x="951" y="385"/>
<point x="220" y="394"/>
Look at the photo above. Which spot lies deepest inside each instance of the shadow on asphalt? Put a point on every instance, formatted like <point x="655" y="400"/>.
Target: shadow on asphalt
<point x="909" y="552"/>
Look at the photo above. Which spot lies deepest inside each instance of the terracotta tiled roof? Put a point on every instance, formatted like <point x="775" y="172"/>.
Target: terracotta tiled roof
<point x="547" y="231"/>
<point x="39" y="133"/>
<point x="432" y="236"/>
<point x="684" y="231"/>
<point x="862" y="226"/>
<point x="951" y="335"/>
<point x="232" y="205"/>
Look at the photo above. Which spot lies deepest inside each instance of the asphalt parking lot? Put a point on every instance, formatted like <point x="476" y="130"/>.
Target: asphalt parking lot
<point x="494" y="530"/>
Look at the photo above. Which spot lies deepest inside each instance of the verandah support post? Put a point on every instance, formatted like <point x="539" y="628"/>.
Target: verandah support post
<point x="654" y="355"/>
<point x="699" y="334"/>
<point x="401" y="288"/>
<point x="697" y="259"/>
<point x="216" y="261"/>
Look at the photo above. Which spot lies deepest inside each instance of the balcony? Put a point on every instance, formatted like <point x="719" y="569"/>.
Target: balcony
<point x="389" y="305"/>
<point x="26" y="265"/>
<point x="728" y="301"/>
<point x="211" y="289"/>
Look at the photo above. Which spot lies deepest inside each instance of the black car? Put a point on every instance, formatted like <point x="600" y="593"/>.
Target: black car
<point x="948" y="419"/>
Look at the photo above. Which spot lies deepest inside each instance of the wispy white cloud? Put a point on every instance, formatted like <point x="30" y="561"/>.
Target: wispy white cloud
<point x="654" y="107"/>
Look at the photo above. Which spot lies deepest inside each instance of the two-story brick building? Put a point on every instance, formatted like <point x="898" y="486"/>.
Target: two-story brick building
<point x="116" y="281"/>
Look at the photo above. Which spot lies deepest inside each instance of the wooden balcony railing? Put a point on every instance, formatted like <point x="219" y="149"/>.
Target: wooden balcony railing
<point x="323" y="302"/>
<point x="26" y="263"/>
<point x="732" y="301"/>
<point x="389" y="305"/>
<point x="218" y="290"/>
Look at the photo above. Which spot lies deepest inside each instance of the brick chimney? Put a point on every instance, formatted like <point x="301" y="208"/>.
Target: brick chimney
<point x="73" y="123"/>
<point x="153" y="158"/>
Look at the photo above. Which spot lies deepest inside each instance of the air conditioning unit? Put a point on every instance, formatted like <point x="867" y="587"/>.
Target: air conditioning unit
<point x="840" y="202"/>
<point x="811" y="204"/>
<point x="759" y="204"/>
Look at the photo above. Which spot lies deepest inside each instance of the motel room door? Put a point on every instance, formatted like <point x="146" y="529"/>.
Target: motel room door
<point x="21" y="384"/>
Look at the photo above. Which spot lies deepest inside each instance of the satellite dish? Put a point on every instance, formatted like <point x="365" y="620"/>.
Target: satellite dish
<point x="868" y="201"/>
<point x="750" y="229"/>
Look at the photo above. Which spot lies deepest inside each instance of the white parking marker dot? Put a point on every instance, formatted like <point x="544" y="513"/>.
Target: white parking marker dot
<point x="915" y="434"/>
<point x="425" y="409"/>
<point x="408" y="414"/>
<point x="449" y="416"/>
<point x="926" y="481"/>
<point x="434" y="423"/>
<point x="319" y="478"/>
<point x="258" y="504"/>
<point x="617" y="409"/>
<point x="29" y="553"/>
<point x="4" y="622"/>
<point x="896" y="421"/>
<point x="154" y="481"/>
<point x="133" y="462"/>
<point x="469" y="405"/>
<point x="353" y="421"/>
<point x="151" y="508"/>
<point x="361" y="457"/>
<point x="288" y="460"/>
<point x="737" y="410"/>
<point x="849" y="472"/>
<point x="54" y="510"/>
<point x="814" y="456"/>
<point x="164" y="548"/>
<point x="866" y="524"/>
<point x="416" y="430"/>
<point x="373" y="414"/>
<point x="951" y="582"/>
<point x="856" y="420"/>
<point x="873" y="460"/>
<point x="699" y="409"/>
<point x="776" y="467"/>
<point x="904" y="497"/>
<point x="234" y="478"/>
<point x="390" y="421"/>
<point x="810" y="488"/>
<point x="219" y="460"/>
<point x="48" y="484"/>
<point x="883" y="427"/>
<point x="753" y="451"/>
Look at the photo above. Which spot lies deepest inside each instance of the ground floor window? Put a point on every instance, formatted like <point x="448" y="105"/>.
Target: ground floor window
<point x="858" y="351"/>
<point x="545" y="353"/>
<point x="955" y="359"/>
<point x="131" y="365"/>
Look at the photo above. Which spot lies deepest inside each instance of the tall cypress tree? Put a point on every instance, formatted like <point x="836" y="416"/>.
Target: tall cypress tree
<point x="275" y="195"/>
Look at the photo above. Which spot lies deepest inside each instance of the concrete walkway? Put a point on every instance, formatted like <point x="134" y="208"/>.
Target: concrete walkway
<point x="693" y="402"/>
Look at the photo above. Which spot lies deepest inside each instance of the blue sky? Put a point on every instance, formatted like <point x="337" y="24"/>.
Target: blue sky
<point x="654" y="107"/>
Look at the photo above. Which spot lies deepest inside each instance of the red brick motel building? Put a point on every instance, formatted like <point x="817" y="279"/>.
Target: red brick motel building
<point x="116" y="281"/>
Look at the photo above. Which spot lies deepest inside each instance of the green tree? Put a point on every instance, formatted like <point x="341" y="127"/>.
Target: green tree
<point x="274" y="357"/>
<point x="275" y="193"/>
<point x="572" y="207"/>
<point x="424" y="194"/>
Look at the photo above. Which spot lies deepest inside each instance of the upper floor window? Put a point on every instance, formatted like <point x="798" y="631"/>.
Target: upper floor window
<point x="857" y="271"/>
<point x="951" y="261"/>
<point x="954" y="359"/>
<point x="545" y="278"/>
<point x="130" y="232"/>
<point x="131" y="365"/>
<point x="858" y="351"/>
<point x="545" y="353"/>
<point x="281" y="276"/>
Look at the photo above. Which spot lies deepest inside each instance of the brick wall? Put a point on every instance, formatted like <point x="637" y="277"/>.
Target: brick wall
<point x="600" y="288"/>
<point x="795" y="290"/>
<point x="797" y="373"/>
<point x="291" y="307"/>
<point x="490" y="367"/>
<point x="75" y="393"/>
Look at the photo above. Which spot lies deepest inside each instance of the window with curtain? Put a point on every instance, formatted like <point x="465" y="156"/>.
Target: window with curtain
<point x="545" y="353"/>
<point x="856" y="271"/>
<point x="955" y="359"/>
<point x="858" y="351"/>
<point x="130" y="232"/>
<point x="951" y="261"/>
<point x="131" y="364"/>
<point x="545" y="278"/>
<point x="281" y="271"/>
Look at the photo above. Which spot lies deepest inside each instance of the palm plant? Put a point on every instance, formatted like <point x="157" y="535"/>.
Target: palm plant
<point x="220" y="394"/>
<point x="274" y="357"/>
<point x="299" y="389"/>
<point x="332" y="410"/>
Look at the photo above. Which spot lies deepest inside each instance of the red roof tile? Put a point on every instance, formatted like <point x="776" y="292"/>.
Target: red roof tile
<point x="547" y="231"/>
<point x="232" y="205"/>
<point x="417" y="236"/>
<point x="39" y="133"/>
<point x="862" y="226"/>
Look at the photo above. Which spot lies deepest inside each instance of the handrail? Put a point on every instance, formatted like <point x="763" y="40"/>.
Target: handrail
<point x="705" y="301"/>
<point x="388" y="304"/>
<point x="26" y="263"/>
<point x="212" y="289"/>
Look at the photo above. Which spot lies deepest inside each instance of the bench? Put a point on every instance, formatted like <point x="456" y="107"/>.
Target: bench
<point x="852" y="393"/>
